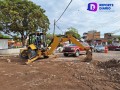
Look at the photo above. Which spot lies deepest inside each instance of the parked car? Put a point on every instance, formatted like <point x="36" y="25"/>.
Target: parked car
<point x="115" y="46"/>
<point x="99" y="48"/>
<point x="73" y="49"/>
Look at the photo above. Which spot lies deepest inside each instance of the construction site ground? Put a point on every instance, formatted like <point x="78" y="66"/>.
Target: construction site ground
<point x="61" y="73"/>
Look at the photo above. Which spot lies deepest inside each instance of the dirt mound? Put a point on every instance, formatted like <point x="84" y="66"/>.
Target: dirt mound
<point x="110" y="64"/>
<point x="111" y="68"/>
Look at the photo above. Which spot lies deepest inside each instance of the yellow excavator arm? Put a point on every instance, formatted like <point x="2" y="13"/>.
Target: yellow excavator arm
<point x="57" y="40"/>
<point x="37" y="53"/>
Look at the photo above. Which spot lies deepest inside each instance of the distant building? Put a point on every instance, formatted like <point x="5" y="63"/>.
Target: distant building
<point x="101" y="41"/>
<point x="91" y="35"/>
<point x="108" y="36"/>
<point x="6" y="43"/>
<point x="93" y="38"/>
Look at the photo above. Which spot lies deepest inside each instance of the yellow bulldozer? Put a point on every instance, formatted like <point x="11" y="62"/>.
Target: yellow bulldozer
<point x="38" y="48"/>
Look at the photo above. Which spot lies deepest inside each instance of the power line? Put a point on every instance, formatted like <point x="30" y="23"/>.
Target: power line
<point x="64" y="11"/>
<point x="60" y="17"/>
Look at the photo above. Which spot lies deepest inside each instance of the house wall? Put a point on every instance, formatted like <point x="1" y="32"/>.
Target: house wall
<point x="3" y="44"/>
<point x="95" y="35"/>
<point x="107" y="36"/>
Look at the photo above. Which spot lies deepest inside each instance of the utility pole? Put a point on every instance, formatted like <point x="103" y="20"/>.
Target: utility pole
<point x="55" y="21"/>
<point x="93" y="37"/>
<point x="54" y="28"/>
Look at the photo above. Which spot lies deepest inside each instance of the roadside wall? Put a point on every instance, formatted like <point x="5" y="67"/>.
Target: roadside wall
<point x="10" y="51"/>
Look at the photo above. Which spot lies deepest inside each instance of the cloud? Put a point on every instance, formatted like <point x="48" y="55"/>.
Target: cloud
<point x="77" y="15"/>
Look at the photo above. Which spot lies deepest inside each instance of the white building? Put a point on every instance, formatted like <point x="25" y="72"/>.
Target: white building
<point x="3" y="43"/>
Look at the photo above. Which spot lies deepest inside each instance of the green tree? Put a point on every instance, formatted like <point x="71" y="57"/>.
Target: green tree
<point x="22" y="17"/>
<point x="109" y="41"/>
<point x="73" y="32"/>
<point x="49" y="38"/>
<point x="3" y="36"/>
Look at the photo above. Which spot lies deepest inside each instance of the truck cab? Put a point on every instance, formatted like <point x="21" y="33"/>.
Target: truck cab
<point x="73" y="49"/>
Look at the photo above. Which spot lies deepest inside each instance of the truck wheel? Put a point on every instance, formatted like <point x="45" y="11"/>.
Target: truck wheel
<point x="65" y="54"/>
<point x="77" y="53"/>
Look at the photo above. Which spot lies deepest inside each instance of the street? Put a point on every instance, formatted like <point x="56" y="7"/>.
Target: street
<point x="107" y="56"/>
<point x="96" y="56"/>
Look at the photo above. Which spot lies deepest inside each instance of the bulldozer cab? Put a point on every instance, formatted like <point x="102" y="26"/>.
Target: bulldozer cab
<point x="38" y="39"/>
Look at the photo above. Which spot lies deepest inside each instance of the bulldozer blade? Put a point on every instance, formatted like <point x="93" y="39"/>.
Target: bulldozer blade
<point x="31" y="60"/>
<point x="88" y="57"/>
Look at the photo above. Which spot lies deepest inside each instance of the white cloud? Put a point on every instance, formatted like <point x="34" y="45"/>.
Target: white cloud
<point x="77" y="15"/>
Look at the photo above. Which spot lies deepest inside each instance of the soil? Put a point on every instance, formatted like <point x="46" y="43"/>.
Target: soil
<point x="53" y="74"/>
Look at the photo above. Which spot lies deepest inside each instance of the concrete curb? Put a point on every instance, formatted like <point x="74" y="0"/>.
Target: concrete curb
<point x="13" y="51"/>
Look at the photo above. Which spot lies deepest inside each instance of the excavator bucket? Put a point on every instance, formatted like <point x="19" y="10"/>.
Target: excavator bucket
<point x="88" y="57"/>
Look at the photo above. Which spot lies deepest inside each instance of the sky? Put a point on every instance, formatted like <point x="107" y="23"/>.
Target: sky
<point x="79" y="17"/>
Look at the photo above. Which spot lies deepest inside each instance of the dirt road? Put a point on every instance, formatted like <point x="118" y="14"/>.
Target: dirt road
<point x="58" y="73"/>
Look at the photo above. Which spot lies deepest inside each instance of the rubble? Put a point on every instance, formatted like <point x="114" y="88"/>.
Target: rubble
<point x="111" y="69"/>
<point x="110" y="64"/>
<point x="8" y="60"/>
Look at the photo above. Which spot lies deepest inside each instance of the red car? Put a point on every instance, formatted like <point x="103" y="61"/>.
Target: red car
<point x="72" y="49"/>
<point x="114" y="47"/>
